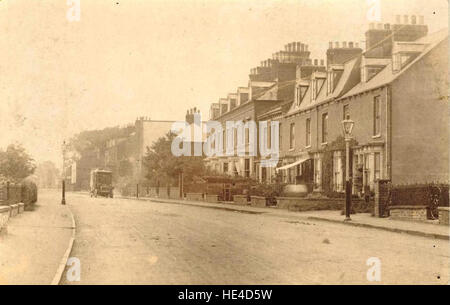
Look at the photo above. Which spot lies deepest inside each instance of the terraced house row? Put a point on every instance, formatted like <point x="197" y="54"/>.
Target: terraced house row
<point x="395" y="91"/>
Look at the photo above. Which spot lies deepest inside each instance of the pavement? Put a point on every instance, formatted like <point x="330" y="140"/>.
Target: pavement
<point x="430" y="229"/>
<point x="33" y="249"/>
<point x="156" y="241"/>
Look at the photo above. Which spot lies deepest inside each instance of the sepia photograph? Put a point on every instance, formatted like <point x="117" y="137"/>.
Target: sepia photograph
<point x="224" y="150"/>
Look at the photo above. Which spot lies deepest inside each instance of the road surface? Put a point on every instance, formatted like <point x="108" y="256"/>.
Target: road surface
<point x="123" y="241"/>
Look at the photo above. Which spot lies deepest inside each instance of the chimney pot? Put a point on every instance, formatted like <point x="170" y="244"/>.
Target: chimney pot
<point x="315" y="62"/>
<point x="330" y="45"/>
<point x="413" y="19"/>
<point x="387" y="26"/>
<point x="299" y="47"/>
<point x="322" y="62"/>
<point x="344" y="44"/>
<point x="350" y="44"/>
<point x="405" y="19"/>
<point x="337" y="44"/>
<point x="356" y="44"/>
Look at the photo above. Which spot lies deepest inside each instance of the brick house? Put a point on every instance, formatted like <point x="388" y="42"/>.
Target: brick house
<point x="266" y="89"/>
<point x="395" y="91"/>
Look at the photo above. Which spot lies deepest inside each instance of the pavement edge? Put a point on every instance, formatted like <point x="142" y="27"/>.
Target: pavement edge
<point x="62" y="265"/>
<point x="396" y="230"/>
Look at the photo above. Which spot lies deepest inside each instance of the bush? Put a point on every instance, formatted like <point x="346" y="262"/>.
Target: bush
<point x="270" y="191"/>
<point x="29" y="194"/>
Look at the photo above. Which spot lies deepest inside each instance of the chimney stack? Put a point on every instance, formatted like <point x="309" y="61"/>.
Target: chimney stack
<point x="413" y="19"/>
<point x="337" y="55"/>
<point x="330" y="45"/>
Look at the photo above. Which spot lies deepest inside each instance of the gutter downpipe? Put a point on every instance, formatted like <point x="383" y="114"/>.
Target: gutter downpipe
<point x="388" y="132"/>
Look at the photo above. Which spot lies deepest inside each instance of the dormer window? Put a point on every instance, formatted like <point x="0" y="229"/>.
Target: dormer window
<point x="404" y="52"/>
<point x="367" y="73"/>
<point x="333" y="76"/>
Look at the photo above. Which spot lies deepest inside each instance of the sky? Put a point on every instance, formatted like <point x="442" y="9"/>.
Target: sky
<point x="128" y="58"/>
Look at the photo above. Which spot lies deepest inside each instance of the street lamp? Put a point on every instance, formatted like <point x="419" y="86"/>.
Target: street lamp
<point x="63" y="182"/>
<point x="347" y="126"/>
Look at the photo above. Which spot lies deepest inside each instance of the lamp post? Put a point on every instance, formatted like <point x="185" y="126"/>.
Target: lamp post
<point x="347" y="126"/>
<point x="63" y="182"/>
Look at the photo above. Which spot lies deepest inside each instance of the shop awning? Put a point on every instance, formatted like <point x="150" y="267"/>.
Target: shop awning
<point x="300" y="161"/>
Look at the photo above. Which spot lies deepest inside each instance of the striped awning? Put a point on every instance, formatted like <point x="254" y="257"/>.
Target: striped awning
<point x="300" y="161"/>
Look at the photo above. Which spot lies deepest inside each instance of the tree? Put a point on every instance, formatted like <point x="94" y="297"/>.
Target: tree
<point x="47" y="174"/>
<point x="16" y="163"/>
<point x="163" y="167"/>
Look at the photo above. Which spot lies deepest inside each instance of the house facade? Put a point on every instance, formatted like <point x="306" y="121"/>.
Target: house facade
<point x="270" y="85"/>
<point x="395" y="91"/>
<point x="401" y="126"/>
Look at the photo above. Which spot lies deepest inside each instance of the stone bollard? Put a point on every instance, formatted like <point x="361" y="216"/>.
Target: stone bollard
<point x="14" y="209"/>
<point x="21" y="207"/>
<point x="4" y="217"/>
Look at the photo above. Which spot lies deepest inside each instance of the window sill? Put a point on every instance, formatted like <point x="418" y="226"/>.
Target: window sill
<point x="376" y="136"/>
<point x="324" y="143"/>
<point x="291" y="149"/>
<point x="307" y="147"/>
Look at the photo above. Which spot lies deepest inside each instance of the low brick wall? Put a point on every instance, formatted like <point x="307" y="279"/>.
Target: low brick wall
<point x="14" y="209"/>
<point x="443" y="215"/>
<point x="258" y="201"/>
<point x="211" y="198"/>
<point x="21" y="207"/>
<point x="309" y="204"/>
<point x="240" y="199"/>
<point x="4" y="217"/>
<point x="194" y="196"/>
<point x="408" y="212"/>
